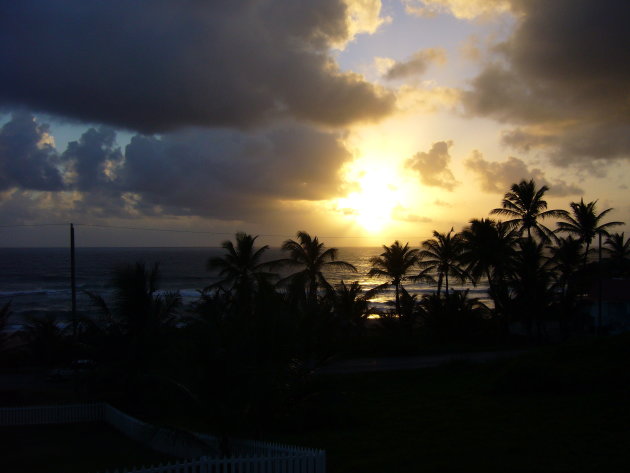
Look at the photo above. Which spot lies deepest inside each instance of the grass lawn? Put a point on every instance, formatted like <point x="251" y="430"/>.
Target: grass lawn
<point x="562" y="409"/>
<point x="70" y="448"/>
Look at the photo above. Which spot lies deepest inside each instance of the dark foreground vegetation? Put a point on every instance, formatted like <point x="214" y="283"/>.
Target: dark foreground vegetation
<point x="557" y="409"/>
<point x="244" y="360"/>
<point x="71" y="448"/>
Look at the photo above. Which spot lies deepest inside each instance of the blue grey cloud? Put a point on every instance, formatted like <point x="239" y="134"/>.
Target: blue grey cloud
<point x="156" y="65"/>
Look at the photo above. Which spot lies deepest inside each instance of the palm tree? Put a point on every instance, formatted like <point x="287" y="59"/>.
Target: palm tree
<point x="565" y="263"/>
<point x="531" y="284"/>
<point x="240" y="268"/>
<point x="138" y="307"/>
<point x="524" y="205"/>
<point x="5" y="312"/>
<point x="311" y="256"/>
<point x="585" y="223"/>
<point x="442" y="255"/>
<point x="350" y="304"/>
<point x="487" y="248"/>
<point x="488" y="251"/>
<point x="565" y="259"/>
<point x="618" y="252"/>
<point x="457" y="318"/>
<point x="135" y="324"/>
<point x="394" y="263"/>
<point x="45" y="338"/>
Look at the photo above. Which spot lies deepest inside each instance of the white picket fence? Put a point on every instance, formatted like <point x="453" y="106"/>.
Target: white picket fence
<point x="249" y="456"/>
<point x="288" y="464"/>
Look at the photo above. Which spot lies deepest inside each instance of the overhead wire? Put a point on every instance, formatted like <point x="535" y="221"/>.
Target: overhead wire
<point x="202" y="232"/>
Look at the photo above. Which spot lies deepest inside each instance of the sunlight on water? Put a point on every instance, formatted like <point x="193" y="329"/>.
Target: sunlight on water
<point x="37" y="281"/>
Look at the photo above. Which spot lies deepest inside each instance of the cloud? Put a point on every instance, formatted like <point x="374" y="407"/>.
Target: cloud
<point x="432" y="166"/>
<point x="157" y="66"/>
<point x="401" y="214"/>
<point x="225" y="174"/>
<point x="27" y="156"/>
<point x="497" y="177"/>
<point x="417" y="64"/>
<point x="364" y="16"/>
<point x="210" y="173"/>
<point x="564" y="69"/>
<point x="590" y="146"/>
<point x="426" y="98"/>
<point x="93" y="159"/>
<point x="465" y="9"/>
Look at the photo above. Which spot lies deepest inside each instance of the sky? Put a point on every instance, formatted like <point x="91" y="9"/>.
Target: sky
<point x="360" y="121"/>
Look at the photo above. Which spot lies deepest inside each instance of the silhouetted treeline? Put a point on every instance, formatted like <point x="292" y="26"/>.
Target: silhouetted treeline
<point x="246" y="350"/>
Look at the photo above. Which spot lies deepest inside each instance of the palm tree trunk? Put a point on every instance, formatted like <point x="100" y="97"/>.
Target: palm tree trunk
<point x="588" y="244"/>
<point x="440" y="276"/>
<point x="397" y="286"/>
<point x="446" y="283"/>
<point x="312" y="296"/>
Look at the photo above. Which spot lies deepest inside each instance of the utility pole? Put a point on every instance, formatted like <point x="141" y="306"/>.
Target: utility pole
<point x="73" y="283"/>
<point x="599" y="288"/>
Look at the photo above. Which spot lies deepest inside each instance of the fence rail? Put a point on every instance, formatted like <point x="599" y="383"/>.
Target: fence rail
<point x="63" y="414"/>
<point x="249" y="456"/>
<point x="289" y="464"/>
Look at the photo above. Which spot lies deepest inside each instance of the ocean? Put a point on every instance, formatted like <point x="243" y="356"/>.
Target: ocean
<point x="37" y="280"/>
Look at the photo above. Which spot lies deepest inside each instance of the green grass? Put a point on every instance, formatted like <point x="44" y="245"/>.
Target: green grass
<point x="561" y="409"/>
<point x="70" y="448"/>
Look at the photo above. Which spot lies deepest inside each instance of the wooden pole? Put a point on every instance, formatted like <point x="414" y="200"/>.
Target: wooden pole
<point x="599" y="288"/>
<point x="73" y="283"/>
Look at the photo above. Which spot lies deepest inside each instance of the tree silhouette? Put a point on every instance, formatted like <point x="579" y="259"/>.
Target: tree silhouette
<point x="524" y="205"/>
<point x="442" y="255"/>
<point x="456" y="318"/>
<point x="394" y="263"/>
<point x="565" y="264"/>
<point x="136" y="325"/>
<point x="138" y="307"/>
<point x="45" y="338"/>
<point x="488" y="249"/>
<point x="584" y="223"/>
<point x="5" y="312"/>
<point x="241" y="270"/>
<point x="309" y="254"/>
<point x="531" y="283"/>
<point x="617" y="250"/>
<point x="350" y="305"/>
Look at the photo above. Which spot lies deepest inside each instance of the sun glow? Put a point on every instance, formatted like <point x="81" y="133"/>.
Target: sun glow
<point x="376" y="196"/>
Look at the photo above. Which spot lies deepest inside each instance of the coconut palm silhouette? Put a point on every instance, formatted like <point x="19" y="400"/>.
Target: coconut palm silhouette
<point x="584" y="223"/>
<point x="311" y="257"/>
<point x="524" y="206"/>
<point x="442" y="255"/>
<point x="394" y="263"/>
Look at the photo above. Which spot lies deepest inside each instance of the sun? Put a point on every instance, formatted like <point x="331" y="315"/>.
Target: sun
<point x="375" y="199"/>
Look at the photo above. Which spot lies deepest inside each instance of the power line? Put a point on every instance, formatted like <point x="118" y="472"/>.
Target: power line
<point x="172" y="230"/>
<point x="205" y="232"/>
<point x="34" y="225"/>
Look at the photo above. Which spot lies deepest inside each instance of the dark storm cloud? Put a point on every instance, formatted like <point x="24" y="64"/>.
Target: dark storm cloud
<point x="563" y="79"/>
<point x="158" y="65"/>
<point x="222" y="174"/>
<point x="230" y="174"/>
<point x="27" y="158"/>
<point x="432" y="166"/>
